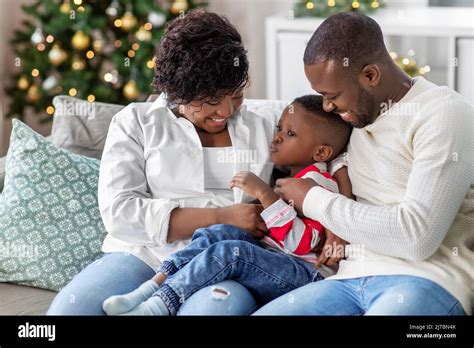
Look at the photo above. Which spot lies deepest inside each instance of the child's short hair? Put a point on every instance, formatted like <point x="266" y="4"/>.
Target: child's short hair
<point x="338" y="130"/>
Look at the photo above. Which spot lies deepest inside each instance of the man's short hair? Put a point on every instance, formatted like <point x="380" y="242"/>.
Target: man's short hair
<point x="347" y="37"/>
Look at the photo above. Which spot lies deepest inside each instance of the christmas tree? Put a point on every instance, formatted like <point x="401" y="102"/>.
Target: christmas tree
<point x="99" y="50"/>
<point x="326" y="8"/>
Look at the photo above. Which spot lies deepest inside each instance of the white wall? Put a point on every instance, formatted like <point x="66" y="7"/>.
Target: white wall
<point x="249" y="18"/>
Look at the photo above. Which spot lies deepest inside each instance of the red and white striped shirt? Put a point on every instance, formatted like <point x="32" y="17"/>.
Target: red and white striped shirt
<point x="288" y="232"/>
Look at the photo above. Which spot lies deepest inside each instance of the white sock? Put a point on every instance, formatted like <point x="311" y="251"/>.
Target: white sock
<point x="125" y="303"/>
<point x="153" y="306"/>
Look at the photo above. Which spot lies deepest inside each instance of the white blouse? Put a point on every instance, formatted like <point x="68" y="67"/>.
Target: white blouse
<point x="218" y="171"/>
<point x="153" y="162"/>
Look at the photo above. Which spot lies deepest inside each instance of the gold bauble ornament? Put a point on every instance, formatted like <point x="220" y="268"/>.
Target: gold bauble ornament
<point x="78" y="63"/>
<point x="130" y="90"/>
<point x="178" y="6"/>
<point x="80" y="41"/>
<point x="143" y="34"/>
<point x="97" y="45"/>
<point x="23" y="82"/>
<point x="65" y="7"/>
<point x="33" y="93"/>
<point x="57" y="55"/>
<point x="128" y="21"/>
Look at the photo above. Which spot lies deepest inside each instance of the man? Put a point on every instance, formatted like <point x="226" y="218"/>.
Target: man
<point x="410" y="161"/>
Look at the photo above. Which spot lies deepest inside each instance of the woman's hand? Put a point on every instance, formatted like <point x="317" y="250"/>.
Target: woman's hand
<point x="246" y="216"/>
<point x="332" y="251"/>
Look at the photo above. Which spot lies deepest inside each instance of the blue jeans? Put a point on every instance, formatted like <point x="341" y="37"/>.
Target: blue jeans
<point x="223" y="252"/>
<point x="376" y="295"/>
<point x="119" y="273"/>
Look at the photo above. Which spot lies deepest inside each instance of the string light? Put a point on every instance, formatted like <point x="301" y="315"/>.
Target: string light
<point x="118" y="23"/>
<point x="117" y="43"/>
<point x="374" y="4"/>
<point x="50" y="110"/>
<point x="35" y="72"/>
<point x="423" y="70"/>
<point x="90" y="54"/>
<point x="73" y="92"/>
<point x="131" y="53"/>
<point x="77" y="2"/>
<point x="405" y="61"/>
<point x="81" y="9"/>
<point x="331" y="3"/>
<point x="40" y="47"/>
<point x="49" y="38"/>
<point x="148" y="26"/>
<point x="90" y="98"/>
<point x="108" y="77"/>
<point x="135" y="46"/>
<point x="150" y="64"/>
<point x="309" y="5"/>
<point x="355" y="4"/>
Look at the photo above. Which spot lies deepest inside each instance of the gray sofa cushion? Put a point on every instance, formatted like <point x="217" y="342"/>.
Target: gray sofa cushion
<point x="24" y="300"/>
<point x="81" y="127"/>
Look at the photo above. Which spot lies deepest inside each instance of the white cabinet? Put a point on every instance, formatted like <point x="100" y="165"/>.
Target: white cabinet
<point x="465" y="71"/>
<point x="292" y="81"/>
<point x="443" y="38"/>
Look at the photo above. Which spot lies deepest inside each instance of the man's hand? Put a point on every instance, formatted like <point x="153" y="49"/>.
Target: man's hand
<point x="246" y="216"/>
<point x="294" y="190"/>
<point x="332" y="251"/>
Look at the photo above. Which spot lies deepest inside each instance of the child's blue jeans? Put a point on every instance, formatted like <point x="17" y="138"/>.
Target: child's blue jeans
<point x="222" y="252"/>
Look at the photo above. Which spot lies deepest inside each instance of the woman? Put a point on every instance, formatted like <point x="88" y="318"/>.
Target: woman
<point x="165" y="169"/>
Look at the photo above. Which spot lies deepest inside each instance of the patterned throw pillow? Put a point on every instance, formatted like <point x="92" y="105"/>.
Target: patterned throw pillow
<point x="50" y="225"/>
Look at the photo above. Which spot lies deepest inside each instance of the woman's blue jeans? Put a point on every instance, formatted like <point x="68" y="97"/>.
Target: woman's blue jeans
<point x="119" y="273"/>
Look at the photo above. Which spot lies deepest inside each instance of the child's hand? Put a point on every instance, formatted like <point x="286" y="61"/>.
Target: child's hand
<point x="250" y="183"/>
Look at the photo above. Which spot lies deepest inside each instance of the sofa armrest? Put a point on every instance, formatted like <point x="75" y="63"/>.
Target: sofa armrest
<point x="2" y="167"/>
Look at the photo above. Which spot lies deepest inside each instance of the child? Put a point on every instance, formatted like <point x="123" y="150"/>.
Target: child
<point x="306" y="138"/>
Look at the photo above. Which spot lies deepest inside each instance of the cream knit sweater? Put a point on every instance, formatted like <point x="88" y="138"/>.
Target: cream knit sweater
<point x="412" y="172"/>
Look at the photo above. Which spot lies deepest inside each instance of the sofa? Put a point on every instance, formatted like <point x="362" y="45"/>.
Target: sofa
<point x="85" y="136"/>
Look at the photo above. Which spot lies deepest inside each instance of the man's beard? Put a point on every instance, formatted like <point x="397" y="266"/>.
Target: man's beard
<point x="367" y="112"/>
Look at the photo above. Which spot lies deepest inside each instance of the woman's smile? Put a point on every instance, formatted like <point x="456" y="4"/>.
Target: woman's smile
<point x="217" y="121"/>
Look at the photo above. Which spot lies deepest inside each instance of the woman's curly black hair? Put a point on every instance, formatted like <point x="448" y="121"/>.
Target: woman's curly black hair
<point x="200" y="57"/>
